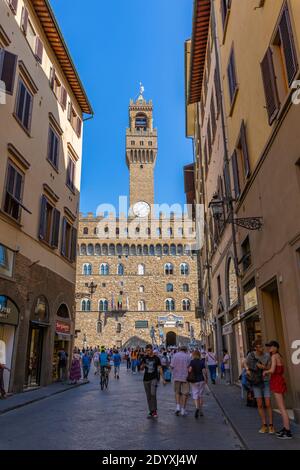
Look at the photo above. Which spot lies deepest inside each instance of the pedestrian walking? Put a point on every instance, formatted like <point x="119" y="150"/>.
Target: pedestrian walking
<point x="96" y="361"/>
<point x="212" y="364"/>
<point x="197" y="376"/>
<point x="86" y="364"/>
<point x="226" y="362"/>
<point x="127" y="359"/>
<point x="75" y="371"/>
<point x="257" y="361"/>
<point x="2" y="389"/>
<point x="134" y="356"/>
<point x="62" y="364"/>
<point x="278" y="387"/>
<point x="179" y="365"/>
<point x="117" y="362"/>
<point x="152" y="366"/>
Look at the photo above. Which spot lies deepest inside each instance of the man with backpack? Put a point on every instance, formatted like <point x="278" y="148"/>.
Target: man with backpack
<point x="256" y="362"/>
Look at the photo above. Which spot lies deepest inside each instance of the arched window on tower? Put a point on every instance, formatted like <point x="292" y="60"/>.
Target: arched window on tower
<point x="169" y="269"/>
<point x="186" y="305"/>
<point x="87" y="270"/>
<point x="120" y="269"/>
<point x="85" y="305"/>
<point x="170" y="305"/>
<point x="141" y="121"/>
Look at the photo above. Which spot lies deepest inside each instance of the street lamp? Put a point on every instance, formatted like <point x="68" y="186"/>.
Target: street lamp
<point x="217" y="207"/>
<point x="92" y="287"/>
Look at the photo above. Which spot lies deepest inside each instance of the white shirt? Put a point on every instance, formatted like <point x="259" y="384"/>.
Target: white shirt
<point x="227" y="359"/>
<point x="211" y="359"/>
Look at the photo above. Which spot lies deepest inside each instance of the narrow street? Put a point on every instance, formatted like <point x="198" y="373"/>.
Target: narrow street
<point x="85" y="418"/>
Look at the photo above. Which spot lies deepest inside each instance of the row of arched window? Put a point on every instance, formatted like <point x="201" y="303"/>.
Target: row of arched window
<point x="111" y="249"/>
<point x="103" y="305"/>
<point x="158" y="231"/>
<point x="87" y="269"/>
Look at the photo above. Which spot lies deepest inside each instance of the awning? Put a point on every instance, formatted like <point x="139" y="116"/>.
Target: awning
<point x="228" y="327"/>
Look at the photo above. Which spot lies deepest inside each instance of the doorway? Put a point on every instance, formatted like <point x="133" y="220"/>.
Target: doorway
<point x="274" y="326"/>
<point x="171" y="339"/>
<point x="34" y="356"/>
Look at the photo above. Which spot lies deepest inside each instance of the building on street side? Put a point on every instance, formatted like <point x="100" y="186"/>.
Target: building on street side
<point x="42" y="107"/>
<point x="253" y="257"/>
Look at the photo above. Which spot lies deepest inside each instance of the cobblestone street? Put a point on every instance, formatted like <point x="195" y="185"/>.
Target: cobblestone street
<point x="85" y="418"/>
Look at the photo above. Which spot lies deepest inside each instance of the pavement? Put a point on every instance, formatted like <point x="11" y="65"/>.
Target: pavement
<point x="18" y="400"/>
<point x="86" y="418"/>
<point x="246" y="421"/>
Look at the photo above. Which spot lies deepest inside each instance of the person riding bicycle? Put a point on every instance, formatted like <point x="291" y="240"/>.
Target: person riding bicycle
<point x="104" y="360"/>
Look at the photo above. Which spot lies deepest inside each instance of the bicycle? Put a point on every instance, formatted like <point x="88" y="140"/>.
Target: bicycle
<point x="104" y="377"/>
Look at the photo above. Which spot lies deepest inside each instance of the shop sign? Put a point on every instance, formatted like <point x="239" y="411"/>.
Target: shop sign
<point x="62" y="328"/>
<point x="9" y="314"/>
<point x="227" y="329"/>
<point x="250" y="299"/>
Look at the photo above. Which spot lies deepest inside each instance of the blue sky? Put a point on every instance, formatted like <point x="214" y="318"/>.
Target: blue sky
<point x="115" y="46"/>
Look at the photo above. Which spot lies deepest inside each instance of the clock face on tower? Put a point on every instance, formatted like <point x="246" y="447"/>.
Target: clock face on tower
<point x="141" y="209"/>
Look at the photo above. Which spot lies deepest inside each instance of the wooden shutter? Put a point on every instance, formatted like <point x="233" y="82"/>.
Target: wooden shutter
<point x="13" y="5"/>
<point x="73" y="244"/>
<point x="63" y="97"/>
<point x="287" y="40"/>
<point x="55" y="228"/>
<point x="63" y="237"/>
<point x="213" y="116"/>
<point x="244" y="148"/>
<point x="209" y="140"/>
<point x="69" y="111"/>
<point x="227" y="182"/>
<point x="52" y="78"/>
<point x="270" y="86"/>
<point x="24" y="20"/>
<point x="39" y="49"/>
<point x="231" y="76"/>
<point x="10" y="181"/>
<point x="43" y="218"/>
<point x="217" y="91"/>
<point x="8" y="63"/>
<point x="78" y="126"/>
<point x="235" y="171"/>
<point x="28" y="109"/>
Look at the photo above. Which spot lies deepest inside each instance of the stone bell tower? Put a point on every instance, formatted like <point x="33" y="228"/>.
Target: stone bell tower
<point x="141" y="151"/>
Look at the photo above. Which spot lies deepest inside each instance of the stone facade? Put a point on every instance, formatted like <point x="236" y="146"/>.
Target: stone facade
<point x="134" y="261"/>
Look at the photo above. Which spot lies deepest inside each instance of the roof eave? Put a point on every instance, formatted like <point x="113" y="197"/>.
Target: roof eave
<point x="47" y="18"/>
<point x="201" y="21"/>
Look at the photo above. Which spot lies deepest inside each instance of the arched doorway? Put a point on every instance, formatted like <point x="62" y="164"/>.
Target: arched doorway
<point x="39" y="323"/>
<point x="171" y="339"/>
<point x="62" y="342"/>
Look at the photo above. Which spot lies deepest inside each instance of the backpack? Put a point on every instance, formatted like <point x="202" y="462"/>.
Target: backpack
<point x="167" y="375"/>
<point x="255" y="376"/>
